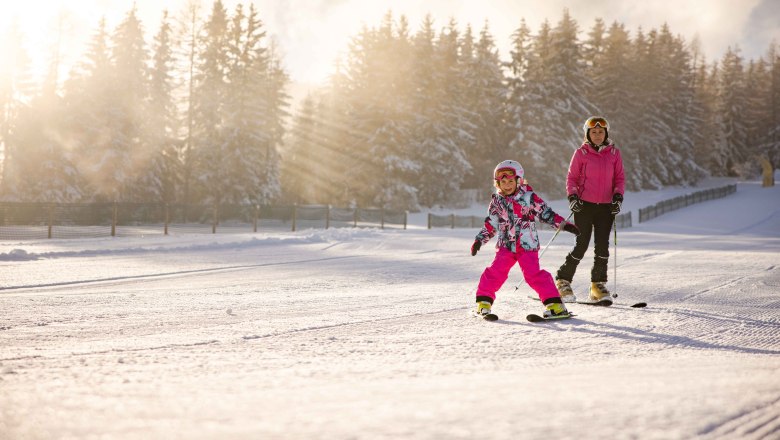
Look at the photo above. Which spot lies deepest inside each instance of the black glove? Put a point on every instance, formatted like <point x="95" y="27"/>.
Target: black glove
<point x="571" y="227"/>
<point x="575" y="204"/>
<point x="475" y="247"/>
<point x="617" y="203"/>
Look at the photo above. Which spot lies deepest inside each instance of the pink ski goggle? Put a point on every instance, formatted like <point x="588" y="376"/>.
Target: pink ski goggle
<point x="505" y="175"/>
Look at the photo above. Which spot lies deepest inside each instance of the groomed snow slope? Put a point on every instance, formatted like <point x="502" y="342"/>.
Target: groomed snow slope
<point x="347" y="334"/>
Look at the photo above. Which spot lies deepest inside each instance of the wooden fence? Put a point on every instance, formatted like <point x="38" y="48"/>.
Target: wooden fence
<point x="665" y="206"/>
<point x="65" y="220"/>
<point x="471" y="221"/>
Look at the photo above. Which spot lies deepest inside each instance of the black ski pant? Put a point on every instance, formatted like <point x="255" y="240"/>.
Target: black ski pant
<point x="595" y="219"/>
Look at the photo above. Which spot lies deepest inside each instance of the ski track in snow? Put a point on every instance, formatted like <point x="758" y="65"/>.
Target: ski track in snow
<point x="369" y="334"/>
<point x="760" y="422"/>
<point x="114" y="281"/>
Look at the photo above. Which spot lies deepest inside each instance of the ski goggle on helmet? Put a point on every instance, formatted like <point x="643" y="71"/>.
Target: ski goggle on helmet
<point x="508" y="169"/>
<point x="595" y="121"/>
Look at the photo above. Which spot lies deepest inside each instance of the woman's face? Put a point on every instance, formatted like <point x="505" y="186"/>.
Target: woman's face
<point x="597" y="135"/>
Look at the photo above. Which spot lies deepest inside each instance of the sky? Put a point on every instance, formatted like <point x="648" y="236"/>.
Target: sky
<point x="312" y="34"/>
<point x="362" y="333"/>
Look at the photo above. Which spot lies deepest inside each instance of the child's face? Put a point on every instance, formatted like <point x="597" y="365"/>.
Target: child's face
<point x="507" y="182"/>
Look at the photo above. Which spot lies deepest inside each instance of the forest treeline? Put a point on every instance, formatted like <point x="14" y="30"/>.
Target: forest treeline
<point x="200" y="113"/>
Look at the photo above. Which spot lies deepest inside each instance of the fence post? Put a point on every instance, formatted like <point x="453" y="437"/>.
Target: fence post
<point x="406" y="217"/>
<point x="294" y="216"/>
<point x="327" y="217"/>
<point x="113" y="221"/>
<point x="355" y="217"/>
<point x="254" y="218"/>
<point x="215" y="219"/>
<point x="429" y="220"/>
<point x="452" y="221"/>
<point x="167" y="217"/>
<point x="382" y="218"/>
<point x="51" y="219"/>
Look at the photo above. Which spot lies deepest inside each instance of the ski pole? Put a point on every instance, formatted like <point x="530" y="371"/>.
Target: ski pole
<point x="614" y="227"/>
<point x="558" y="231"/>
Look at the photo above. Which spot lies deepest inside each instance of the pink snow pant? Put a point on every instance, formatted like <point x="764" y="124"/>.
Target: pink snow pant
<point x="496" y="274"/>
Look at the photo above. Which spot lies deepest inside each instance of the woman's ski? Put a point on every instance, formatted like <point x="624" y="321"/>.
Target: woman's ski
<point x="601" y="303"/>
<point x="608" y="302"/>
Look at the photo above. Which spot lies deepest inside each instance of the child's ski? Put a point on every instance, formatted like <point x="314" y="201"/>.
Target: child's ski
<point x="488" y="317"/>
<point x="533" y="317"/>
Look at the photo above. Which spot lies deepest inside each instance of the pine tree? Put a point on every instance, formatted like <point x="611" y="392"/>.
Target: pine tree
<point x="160" y="179"/>
<point x="242" y="115"/>
<point x="336" y="168"/>
<point x="531" y="106"/>
<point x="758" y="112"/>
<point x="209" y="101"/>
<point x="302" y="160"/>
<point x="277" y="103"/>
<point x="88" y="110"/>
<point x="595" y="45"/>
<point x="607" y="54"/>
<point x="188" y="26"/>
<point x="250" y="114"/>
<point x="376" y="90"/>
<point x="732" y="107"/>
<point x="129" y="150"/>
<point x="517" y="84"/>
<point x="702" y="113"/>
<point x="45" y="172"/>
<point x="484" y="92"/>
<point x="15" y="94"/>
<point x="555" y="105"/>
<point x="675" y="91"/>
<point x="770" y="145"/>
<point x="446" y="126"/>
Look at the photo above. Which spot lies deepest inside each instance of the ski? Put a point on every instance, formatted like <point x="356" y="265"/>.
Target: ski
<point x="533" y="317"/>
<point x="608" y="302"/>
<point x="602" y="303"/>
<point x="488" y="317"/>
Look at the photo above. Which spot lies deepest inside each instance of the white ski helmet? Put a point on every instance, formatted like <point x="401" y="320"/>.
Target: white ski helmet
<point x="510" y="165"/>
<point x="593" y="122"/>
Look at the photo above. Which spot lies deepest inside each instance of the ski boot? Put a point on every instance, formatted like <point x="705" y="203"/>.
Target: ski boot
<point x="565" y="290"/>
<point x="556" y="310"/>
<point x="483" y="308"/>
<point x="599" y="292"/>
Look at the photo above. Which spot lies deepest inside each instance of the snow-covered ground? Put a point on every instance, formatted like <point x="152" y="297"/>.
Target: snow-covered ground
<point x="366" y="334"/>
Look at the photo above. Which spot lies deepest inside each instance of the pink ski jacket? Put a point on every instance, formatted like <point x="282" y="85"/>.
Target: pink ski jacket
<point x="512" y="218"/>
<point x="596" y="175"/>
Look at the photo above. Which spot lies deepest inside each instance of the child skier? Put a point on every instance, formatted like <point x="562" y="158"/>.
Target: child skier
<point x="511" y="216"/>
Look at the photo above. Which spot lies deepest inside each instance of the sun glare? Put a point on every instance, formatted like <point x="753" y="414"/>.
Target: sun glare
<point x="312" y="35"/>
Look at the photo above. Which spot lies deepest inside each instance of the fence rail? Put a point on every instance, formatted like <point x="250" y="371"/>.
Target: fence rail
<point x="472" y="221"/>
<point x="622" y="220"/>
<point x="665" y="206"/>
<point x="70" y="220"/>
